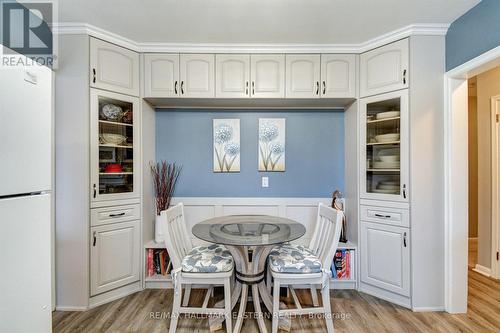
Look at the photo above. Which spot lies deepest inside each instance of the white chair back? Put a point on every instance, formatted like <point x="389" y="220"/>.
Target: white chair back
<point x="177" y="240"/>
<point x="326" y="234"/>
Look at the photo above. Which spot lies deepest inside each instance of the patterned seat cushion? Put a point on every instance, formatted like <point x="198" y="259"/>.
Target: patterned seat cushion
<point x="289" y="258"/>
<point x="208" y="259"/>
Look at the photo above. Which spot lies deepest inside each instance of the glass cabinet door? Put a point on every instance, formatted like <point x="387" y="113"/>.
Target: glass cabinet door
<point x="384" y="146"/>
<point x="114" y="145"/>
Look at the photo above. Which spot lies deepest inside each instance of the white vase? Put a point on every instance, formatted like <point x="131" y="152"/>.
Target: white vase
<point x="159" y="238"/>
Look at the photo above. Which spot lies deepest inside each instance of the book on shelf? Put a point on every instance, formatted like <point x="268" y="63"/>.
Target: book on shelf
<point x="158" y="262"/>
<point x="342" y="266"/>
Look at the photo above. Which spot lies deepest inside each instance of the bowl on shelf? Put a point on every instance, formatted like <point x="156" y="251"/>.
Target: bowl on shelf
<point x="390" y="137"/>
<point x="388" y="114"/>
<point x="112" y="139"/>
<point x="389" y="158"/>
<point x="111" y="112"/>
<point x="113" y="168"/>
<point x="386" y="165"/>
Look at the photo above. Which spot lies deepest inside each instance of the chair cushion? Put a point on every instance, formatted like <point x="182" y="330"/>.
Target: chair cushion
<point x="288" y="258"/>
<point x="208" y="259"/>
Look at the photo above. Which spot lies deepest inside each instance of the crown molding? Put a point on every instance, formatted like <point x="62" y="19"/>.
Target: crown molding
<point x="436" y="29"/>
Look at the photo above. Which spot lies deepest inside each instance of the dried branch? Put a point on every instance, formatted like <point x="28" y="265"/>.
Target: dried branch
<point x="165" y="177"/>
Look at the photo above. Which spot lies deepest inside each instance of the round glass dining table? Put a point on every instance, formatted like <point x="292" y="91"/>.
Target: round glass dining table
<point x="249" y="238"/>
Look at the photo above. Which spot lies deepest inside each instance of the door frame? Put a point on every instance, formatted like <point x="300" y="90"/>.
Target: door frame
<point x="495" y="191"/>
<point x="456" y="176"/>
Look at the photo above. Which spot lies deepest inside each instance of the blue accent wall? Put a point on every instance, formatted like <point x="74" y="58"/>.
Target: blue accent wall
<point x="474" y="33"/>
<point x="314" y="153"/>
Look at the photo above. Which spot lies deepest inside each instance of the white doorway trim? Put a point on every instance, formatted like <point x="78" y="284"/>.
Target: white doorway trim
<point x="495" y="195"/>
<point x="456" y="176"/>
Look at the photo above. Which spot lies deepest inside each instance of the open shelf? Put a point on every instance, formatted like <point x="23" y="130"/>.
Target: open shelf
<point x="115" y="146"/>
<point x="115" y="173"/>
<point x="383" y="170"/>
<point x="375" y="121"/>
<point x="382" y="143"/>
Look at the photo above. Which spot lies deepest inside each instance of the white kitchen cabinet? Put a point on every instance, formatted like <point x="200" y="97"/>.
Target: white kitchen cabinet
<point x="115" y="251"/>
<point x="161" y="75"/>
<point x="267" y="75"/>
<point x="338" y="76"/>
<point x="113" y="68"/>
<point x="303" y="75"/>
<point x="114" y="146"/>
<point x="232" y="76"/>
<point x="385" y="69"/>
<point x="385" y="257"/>
<point x="197" y="74"/>
<point x="384" y="147"/>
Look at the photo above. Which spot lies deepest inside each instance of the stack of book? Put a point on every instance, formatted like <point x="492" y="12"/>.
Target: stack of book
<point x="343" y="265"/>
<point x="158" y="262"/>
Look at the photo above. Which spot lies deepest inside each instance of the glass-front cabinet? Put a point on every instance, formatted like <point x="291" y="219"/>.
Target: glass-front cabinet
<point x="384" y="146"/>
<point x="114" y="138"/>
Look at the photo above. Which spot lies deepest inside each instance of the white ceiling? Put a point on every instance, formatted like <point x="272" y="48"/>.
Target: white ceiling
<point x="258" y="21"/>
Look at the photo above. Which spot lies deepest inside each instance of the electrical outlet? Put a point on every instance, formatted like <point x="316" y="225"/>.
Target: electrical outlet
<point x="265" y="181"/>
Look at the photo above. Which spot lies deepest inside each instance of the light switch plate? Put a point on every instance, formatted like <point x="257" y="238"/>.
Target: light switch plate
<point x="265" y="181"/>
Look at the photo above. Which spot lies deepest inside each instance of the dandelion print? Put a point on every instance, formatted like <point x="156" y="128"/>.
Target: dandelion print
<point x="226" y="143"/>
<point x="272" y="144"/>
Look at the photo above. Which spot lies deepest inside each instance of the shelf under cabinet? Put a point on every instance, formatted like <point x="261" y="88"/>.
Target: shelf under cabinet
<point x="382" y="120"/>
<point x="383" y="143"/>
<point x="114" y="146"/>
<point x="383" y="170"/>
<point x="109" y="122"/>
<point x="115" y="173"/>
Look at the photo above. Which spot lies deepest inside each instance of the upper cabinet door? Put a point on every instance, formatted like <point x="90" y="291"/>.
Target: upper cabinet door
<point x="268" y="75"/>
<point x="161" y="75"/>
<point x="338" y="75"/>
<point x="113" y="68"/>
<point x="303" y="75"/>
<point x="197" y="75"/>
<point x="233" y="76"/>
<point x="385" y="69"/>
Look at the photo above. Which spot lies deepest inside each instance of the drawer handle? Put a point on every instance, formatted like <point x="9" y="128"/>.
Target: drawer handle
<point x="117" y="215"/>
<point x="95" y="239"/>
<point x="383" y="216"/>
<point x="175" y="87"/>
<point x="317" y="87"/>
<point x="324" y="87"/>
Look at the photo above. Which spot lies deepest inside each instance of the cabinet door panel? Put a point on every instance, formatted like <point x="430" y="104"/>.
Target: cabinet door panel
<point x="114" y="256"/>
<point x="197" y="75"/>
<point x="385" y="257"/>
<point x="161" y="75"/>
<point x="338" y="75"/>
<point x="233" y="76"/>
<point x="302" y="76"/>
<point x="113" y="68"/>
<point x="268" y="76"/>
<point x="385" y="69"/>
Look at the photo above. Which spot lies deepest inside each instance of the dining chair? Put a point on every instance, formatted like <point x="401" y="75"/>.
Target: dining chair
<point x="210" y="265"/>
<point x="291" y="265"/>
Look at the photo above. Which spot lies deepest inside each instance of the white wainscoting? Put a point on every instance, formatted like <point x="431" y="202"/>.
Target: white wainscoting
<point x="303" y="210"/>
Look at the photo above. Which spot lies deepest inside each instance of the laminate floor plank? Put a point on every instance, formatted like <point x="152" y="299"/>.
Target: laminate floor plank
<point x="147" y="311"/>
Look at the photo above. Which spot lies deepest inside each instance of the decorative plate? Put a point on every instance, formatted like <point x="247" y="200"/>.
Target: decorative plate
<point x="112" y="112"/>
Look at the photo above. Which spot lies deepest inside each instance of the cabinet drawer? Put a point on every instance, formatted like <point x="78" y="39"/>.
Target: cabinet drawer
<point x="107" y="215"/>
<point x="392" y="216"/>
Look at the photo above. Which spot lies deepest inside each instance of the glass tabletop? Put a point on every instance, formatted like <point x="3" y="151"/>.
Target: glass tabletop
<point x="248" y="230"/>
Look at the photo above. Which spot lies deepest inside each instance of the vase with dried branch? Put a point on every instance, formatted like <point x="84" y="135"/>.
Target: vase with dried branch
<point x="165" y="177"/>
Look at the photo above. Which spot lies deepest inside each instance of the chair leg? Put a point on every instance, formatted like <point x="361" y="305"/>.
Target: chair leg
<point x="227" y="305"/>
<point x="314" y="295"/>
<point x="276" y="306"/>
<point x="187" y="294"/>
<point x="176" y="308"/>
<point x="268" y="280"/>
<point x="325" y="294"/>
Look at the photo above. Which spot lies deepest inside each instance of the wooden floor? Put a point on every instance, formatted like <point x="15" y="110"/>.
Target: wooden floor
<point x="146" y="312"/>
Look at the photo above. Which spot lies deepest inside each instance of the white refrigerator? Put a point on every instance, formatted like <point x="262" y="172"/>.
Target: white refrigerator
<point x="25" y="198"/>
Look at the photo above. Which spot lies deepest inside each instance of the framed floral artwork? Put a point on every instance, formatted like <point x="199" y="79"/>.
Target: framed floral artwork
<point x="272" y="144"/>
<point x="226" y="145"/>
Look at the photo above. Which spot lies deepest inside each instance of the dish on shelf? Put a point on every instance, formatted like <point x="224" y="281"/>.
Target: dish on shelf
<point x="389" y="158"/>
<point x="113" y="139"/>
<point x="388" y="114"/>
<point x="390" y="137"/>
<point x="112" y="112"/>
<point x="113" y="168"/>
<point x="389" y="182"/>
<point x="386" y="165"/>
<point x="387" y="187"/>
<point x="378" y="190"/>
<point x="388" y="151"/>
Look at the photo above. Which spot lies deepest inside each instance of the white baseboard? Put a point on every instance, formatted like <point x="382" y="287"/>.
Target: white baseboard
<point x="428" y="309"/>
<point x="482" y="270"/>
<point x="71" y="308"/>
